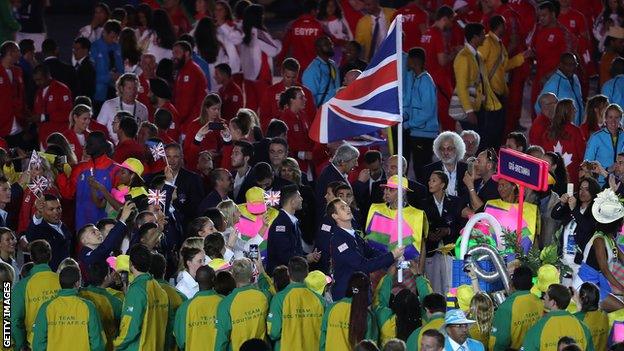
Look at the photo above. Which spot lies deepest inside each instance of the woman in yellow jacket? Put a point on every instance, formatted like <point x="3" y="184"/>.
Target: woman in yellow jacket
<point x="350" y="320"/>
<point x="587" y="298"/>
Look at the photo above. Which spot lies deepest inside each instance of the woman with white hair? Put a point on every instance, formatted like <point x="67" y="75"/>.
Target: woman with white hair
<point x="449" y="149"/>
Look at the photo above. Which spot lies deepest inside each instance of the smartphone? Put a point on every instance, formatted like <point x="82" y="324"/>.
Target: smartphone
<point x="216" y="126"/>
<point x="253" y="252"/>
<point x="124" y="278"/>
<point x="570" y="189"/>
<point x="61" y="159"/>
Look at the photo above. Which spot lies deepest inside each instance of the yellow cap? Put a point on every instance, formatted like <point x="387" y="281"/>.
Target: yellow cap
<point x="546" y="276"/>
<point x="255" y="201"/>
<point x="133" y="165"/>
<point x="317" y="281"/>
<point x="122" y="263"/>
<point x="465" y="293"/>
<point x="393" y="183"/>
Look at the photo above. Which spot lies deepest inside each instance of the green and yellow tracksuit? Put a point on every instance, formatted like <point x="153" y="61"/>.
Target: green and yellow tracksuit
<point x="109" y="310"/>
<point x="146" y="318"/>
<point x="545" y="334"/>
<point x="241" y="316"/>
<point x="388" y="281"/>
<point x="28" y="295"/>
<point x="598" y="324"/>
<point x="265" y="283"/>
<point x="386" y="321"/>
<point x="295" y="318"/>
<point x="176" y="298"/>
<point x="435" y="322"/>
<point x="513" y="319"/>
<point x="68" y="322"/>
<point x="194" y="327"/>
<point x="335" y="329"/>
<point x="118" y="294"/>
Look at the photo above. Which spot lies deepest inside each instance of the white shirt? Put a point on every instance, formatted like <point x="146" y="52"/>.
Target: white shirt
<point x="293" y="219"/>
<point x="457" y="347"/>
<point x="452" y="176"/>
<point x="238" y="182"/>
<point x="383" y="28"/>
<point x="350" y="231"/>
<point x="90" y="33"/>
<point x="110" y="109"/>
<point x="187" y="285"/>
<point x="439" y="205"/>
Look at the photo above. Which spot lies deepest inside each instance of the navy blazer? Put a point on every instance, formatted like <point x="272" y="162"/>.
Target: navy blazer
<point x="211" y="200"/>
<point x="284" y="242"/>
<point x="364" y="196"/>
<point x="190" y="188"/>
<point x="352" y="254"/>
<point x="328" y="175"/>
<point x="460" y="187"/>
<point x="450" y="218"/>
<point x="60" y="243"/>
<point x="322" y="244"/>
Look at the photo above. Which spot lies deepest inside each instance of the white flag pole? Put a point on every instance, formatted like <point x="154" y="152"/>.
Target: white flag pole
<point x="399" y="46"/>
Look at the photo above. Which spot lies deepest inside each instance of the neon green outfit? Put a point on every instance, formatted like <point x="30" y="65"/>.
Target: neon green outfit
<point x="28" y="295"/>
<point x="194" y="327"/>
<point x="68" y="322"/>
<point x="108" y="308"/>
<point x="335" y="329"/>
<point x="545" y="334"/>
<point x="146" y="316"/>
<point x="295" y="318"/>
<point x="241" y="316"/>
<point x="513" y="319"/>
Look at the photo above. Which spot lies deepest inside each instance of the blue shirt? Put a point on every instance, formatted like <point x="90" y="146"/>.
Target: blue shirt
<point x="318" y="78"/>
<point x="101" y="58"/>
<point x="205" y="67"/>
<point x="564" y="88"/>
<point x="420" y="112"/>
<point x="614" y="90"/>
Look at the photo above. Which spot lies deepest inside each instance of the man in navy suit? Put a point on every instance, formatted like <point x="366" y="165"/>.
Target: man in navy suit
<point x="369" y="179"/>
<point x="344" y="160"/>
<point x="222" y="181"/>
<point x="349" y="252"/>
<point x="46" y="224"/>
<point x="284" y="239"/>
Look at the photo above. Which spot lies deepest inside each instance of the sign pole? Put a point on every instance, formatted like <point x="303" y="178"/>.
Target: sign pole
<point x="400" y="175"/>
<point x="520" y="212"/>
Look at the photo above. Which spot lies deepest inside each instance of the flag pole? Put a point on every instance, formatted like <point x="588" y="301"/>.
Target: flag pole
<point x="399" y="46"/>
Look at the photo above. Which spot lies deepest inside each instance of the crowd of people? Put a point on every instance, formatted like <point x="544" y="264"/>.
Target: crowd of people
<point x="162" y="190"/>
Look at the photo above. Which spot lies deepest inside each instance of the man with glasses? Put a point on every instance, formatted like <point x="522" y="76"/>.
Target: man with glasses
<point x="449" y="148"/>
<point x="456" y="326"/>
<point x="481" y="186"/>
<point x="557" y="323"/>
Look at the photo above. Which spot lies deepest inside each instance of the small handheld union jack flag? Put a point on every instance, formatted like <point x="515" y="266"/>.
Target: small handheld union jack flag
<point x="272" y="198"/>
<point x="155" y="197"/>
<point x="39" y="185"/>
<point x="35" y="160"/>
<point x="158" y="151"/>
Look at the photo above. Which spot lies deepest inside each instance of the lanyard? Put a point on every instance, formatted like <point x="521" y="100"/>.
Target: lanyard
<point x="122" y="109"/>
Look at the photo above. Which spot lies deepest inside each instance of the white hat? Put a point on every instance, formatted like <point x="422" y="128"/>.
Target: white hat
<point x="607" y="207"/>
<point x="459" y="4"/>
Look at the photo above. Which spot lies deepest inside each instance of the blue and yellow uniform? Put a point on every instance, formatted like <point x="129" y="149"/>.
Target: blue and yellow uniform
<point x="545" y="334"/>
<point x="146" y="316"/>
<point x="513" y="319"/>
<point x="598" y="324"/>
<point x="68" y="322"/>
<point x="29" y="294"/>
<point x="241" y="316"/>
<point x="435" y="322"/>
<point x="295" y="318"/>
<point x="335" y="328"/>
<point x="108" y="308"/>
<point x="195" y="321"/>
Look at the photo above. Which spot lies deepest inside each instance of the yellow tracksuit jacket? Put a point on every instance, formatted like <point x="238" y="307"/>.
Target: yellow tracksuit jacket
<point x="295" y="318"/>
<point x="195" y="321"/>
<point x="335" y="328"/>
<point x="108" y="308"/>
<point x="466" y="76"/>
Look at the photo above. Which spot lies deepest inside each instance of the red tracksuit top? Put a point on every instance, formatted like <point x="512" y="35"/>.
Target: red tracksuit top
<point x="189" y="91"/>
<point x="300" y="39"/>
<point x="11" y="99"/>
<point x="56" y="105"/>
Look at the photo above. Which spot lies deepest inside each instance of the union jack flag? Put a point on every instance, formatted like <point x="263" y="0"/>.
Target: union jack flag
<point x="371" y="102"/>
<point x="272" y="198"/>
<point x="39" y="185"/>
<point x="158" y="151"/>
<point x="155" y="197"/>
<point x="35" y="160"/>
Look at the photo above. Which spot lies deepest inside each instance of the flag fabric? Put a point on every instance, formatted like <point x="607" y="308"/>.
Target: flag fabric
<point x="39" y="185"/>
<point x="372" y="102"/>
<point x="158" y="151"/>
<point x="155" y="197"/>
<point x="35" y="160"/>
<point x="272" y="198"/>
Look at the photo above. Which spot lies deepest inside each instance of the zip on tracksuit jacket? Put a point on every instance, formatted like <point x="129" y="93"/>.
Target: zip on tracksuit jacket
<point x="195" y="321"/>
<point x="241" y="316"/>
<point x="29" y="294"/>
<point x="68" y="322"/>
<point x="108" y="308"/>
<point x="295" y="318"/>
<point x="146" y="316"/>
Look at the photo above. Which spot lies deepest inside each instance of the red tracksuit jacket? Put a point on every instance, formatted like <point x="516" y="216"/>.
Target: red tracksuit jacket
<point x="189" y="91"/>
<point x="11" y="99"/>
<point x="56" y="105"/>
<point x="300" y="39"/>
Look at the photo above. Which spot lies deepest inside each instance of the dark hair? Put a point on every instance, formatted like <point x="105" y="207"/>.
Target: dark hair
<point x="40" y="251"/>
<point x="112" y="26"/>
<point x="442" y="176"/>
<point x="162" y="26"/>
<point x="228" y="9"/>
<point x="434" y="333"/>
<point x="189" y="39"/>
<point x="519" y="138"/>
<point x="243" y="122"/>
<point x="213" y="245"/>
<point x="566" y="340"/>
<point x="617" y="347"/>
<point x="560" y="295"/>
<point x="606" y="13"/>
<point x="372" y="156"/>
<point x="417" y="54"/>
<point x="147" y="11"/>
<point x="129" y="126"/>
<point x="298" y="269"/>
<point x="69" y="276"/>
<point x="239" y="8"/>
<point x="281" y="279"/>
<point x="522" y="278"/>
<point x="279" y="141"/>
<point x="205" y="277"/>
<point x="322" y="10"/>
<point x="561" y="173"/>
<point x="163" y="118"/>
<point x="145" y="228"/>
<point x="358" y="289"/>
<point x="262" y="171"/>
<point x="444" y="11"/>
<point x="83" y="42"/>
<point x="187" y="254"/>
<point x="589" y="295"/>
<point x="366" y="345"/>
<point x="83" y="100"/>
<point x="548" y="5"/>
<point x="253" y="17"/>
<point x="224" y="283"/>
<point x="291" y="64"/>
<point x="104" y="7"/>
<point x="289" y="94"/>
<point x="184" y="45"/>
<point x="49" y="46"/>
<point x="255" y="345"/>
<point x="617" y="67"/>
<point x="276" y="127"/>
<point x="206" y="39"/>
<point x="129" y="46"/>
<point x="435" y="303"/>
<point x="28" y="45"/>
<point x="140" y="257"/>
<point x="216" y="217"/>
<point x="158" y="266"/>
<point x="119" y="14"/>
<point x="164" y="70"/>
<point x="196" y="225"/>
<point x="610" y="229"/>
<point x="98" y="271"/>
<point x="406" y="307"/>
<point x="594" y="187"/>
<point x="591" y="118"/>
<point x="287" y="192"/>
<point x="331" y="207"/>
<point x="472" y="30"/>
<point x="224" y="68"/>
<point x="246" y="148"/>
<point x="495" y="22"/>
<point x="215" y="175"/>
<point x="42" y="69"/>
<point x="572" y="347"/>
